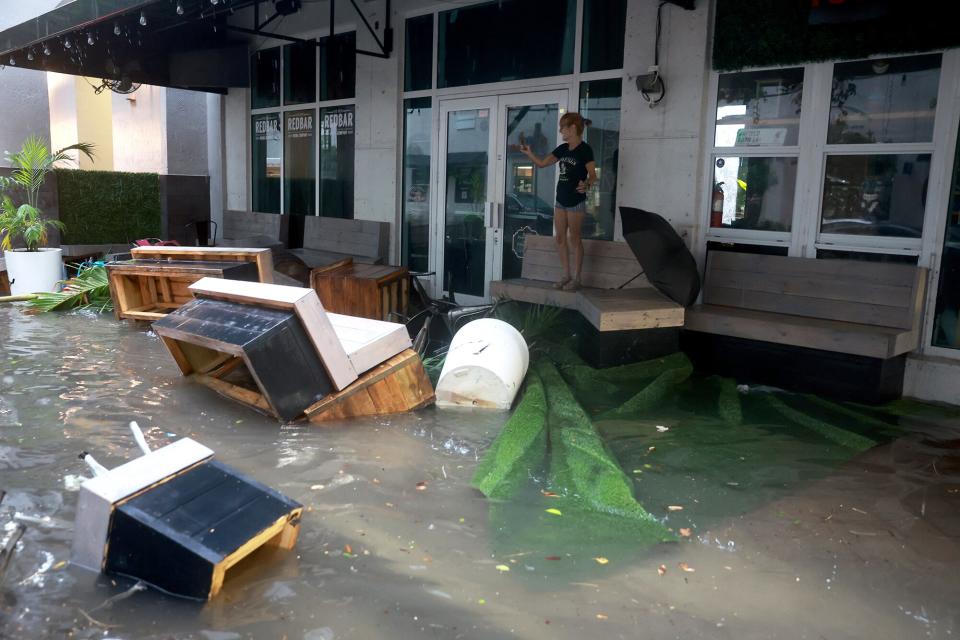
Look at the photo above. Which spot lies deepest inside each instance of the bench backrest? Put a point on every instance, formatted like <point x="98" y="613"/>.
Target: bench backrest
<point x="880" y="294"/>
<point x="606" y="264"/>
<point x="247" y="224"/>
<point x="353" y="237"/>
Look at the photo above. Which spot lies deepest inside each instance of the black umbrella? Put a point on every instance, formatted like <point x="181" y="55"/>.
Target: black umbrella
<point x="666" y="261"/>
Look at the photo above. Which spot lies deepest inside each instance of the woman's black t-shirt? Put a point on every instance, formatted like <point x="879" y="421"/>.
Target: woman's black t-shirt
<point x="573" y="169"/>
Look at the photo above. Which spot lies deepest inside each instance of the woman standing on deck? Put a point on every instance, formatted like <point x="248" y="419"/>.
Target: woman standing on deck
<point x="578" y="172"/>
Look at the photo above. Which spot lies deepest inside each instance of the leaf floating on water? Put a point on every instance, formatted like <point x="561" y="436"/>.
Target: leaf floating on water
<point x="685" y="532"/>
<point x="662" y="570"/>
<point x="674" y="507"/>
<point x="549" y="494"/>
<point x="421" y="486"/>
<point x="685" y="567"/>
<point x="502" y="567"/>
<point x="601" y="560"/>
<point x="601" y="616"/>
<point x="661" y="428"/>
<point x="555" y="512"/>
<point x="60" y="564"/>
<point x="347" y="548"/>
<point x="552" y="558"/>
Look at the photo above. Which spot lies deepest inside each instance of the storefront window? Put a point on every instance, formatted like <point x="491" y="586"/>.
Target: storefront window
<point x="946" y="318"/>
<point x="757" y="193"/>
<point x="299" y="183"/>
<point x="265" y="143"/>
<point x="604" y="23"/>
<point x="759" y="108"/>
<point x="265" y="78"/>
<point x="338" y="66"/>
<point x="600" y="103"/>
<point x="336" y="161"/>
<point x="886" y="100"/>
<point x="418" y="54"/>
<point x="299" y="73"/>
<point x="417" y="125"/>
<point x="505" y="40"/>
<point x="875" y="195"/>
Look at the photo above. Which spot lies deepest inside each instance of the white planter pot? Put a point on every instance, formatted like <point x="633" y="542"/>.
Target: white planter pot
<point x="34" y="271"/>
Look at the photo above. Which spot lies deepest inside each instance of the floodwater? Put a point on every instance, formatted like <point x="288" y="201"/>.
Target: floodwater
<point x="396" y="544"/>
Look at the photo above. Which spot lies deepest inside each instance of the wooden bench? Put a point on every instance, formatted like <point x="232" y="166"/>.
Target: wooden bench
<point x="606" y="267"/>
<point x="793" y="313"/>
<point x="253" y="229"/>
<point x="327" y="240"/>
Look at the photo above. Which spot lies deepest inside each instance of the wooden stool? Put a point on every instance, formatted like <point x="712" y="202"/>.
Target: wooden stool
<point x="364" y="290"/>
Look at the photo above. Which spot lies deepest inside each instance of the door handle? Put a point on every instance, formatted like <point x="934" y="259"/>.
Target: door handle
<point x="493" y="215"/>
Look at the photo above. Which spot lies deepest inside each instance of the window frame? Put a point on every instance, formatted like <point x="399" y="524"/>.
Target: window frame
<point x="570" y="82"/>
<point x="282" y="109"/>
<point x="813" y="151"/>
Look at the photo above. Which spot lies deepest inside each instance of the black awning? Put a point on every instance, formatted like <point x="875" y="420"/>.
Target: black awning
<point x="172" y="43"/>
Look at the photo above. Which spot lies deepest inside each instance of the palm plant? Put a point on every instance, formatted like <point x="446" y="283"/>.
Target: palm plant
<point x="30" y="167"/>
<point x="90" y="288"/>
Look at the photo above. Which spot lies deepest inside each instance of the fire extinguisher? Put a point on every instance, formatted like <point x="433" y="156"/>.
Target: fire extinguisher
<point x="716" y="206"/>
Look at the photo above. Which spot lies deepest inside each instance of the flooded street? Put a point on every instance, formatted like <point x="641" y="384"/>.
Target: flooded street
<point x="395" y="543"/>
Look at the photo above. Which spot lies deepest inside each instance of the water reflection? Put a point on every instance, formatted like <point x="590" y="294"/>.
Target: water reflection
<point x="395" y="543"/>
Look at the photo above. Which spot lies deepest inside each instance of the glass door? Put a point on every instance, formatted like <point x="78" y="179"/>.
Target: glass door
<point x="525" y="194"/>
<point x="491" y="196"/>
<point x="465" y="197"/>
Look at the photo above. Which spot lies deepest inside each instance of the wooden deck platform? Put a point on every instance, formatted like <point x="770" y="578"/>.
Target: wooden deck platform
<point x="606" y="266"/>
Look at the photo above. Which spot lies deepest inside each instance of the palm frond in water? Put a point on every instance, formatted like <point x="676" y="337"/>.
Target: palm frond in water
<point x="89" y="289"/>
<point x="533" y="321"/>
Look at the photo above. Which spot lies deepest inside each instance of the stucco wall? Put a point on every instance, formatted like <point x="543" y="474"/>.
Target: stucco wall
<point x="660" y="147"/>
<point x="236" y="133"/>
<point x="139" y="133"/>
<point x="61" y="102"/>
<point x="186" y="132"/>
<point x="94" y="124"/>
<point x="25" y="108"/>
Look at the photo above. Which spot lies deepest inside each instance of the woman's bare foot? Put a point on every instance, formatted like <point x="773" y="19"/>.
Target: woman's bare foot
<point x="563" y="283"/>
<point x="571" y="285"/>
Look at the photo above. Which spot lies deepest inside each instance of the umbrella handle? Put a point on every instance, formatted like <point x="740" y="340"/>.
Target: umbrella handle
<point x="631" y="280"/>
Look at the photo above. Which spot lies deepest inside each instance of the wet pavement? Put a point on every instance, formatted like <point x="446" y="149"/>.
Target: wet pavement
<point x="395" y="543"/>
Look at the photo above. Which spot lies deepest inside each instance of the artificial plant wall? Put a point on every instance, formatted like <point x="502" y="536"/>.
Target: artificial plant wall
<point x="104" y="207"/>
<point x="777" y="33"/>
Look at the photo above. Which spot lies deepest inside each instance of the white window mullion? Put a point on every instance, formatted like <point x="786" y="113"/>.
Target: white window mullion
<point x="817" y="80"/>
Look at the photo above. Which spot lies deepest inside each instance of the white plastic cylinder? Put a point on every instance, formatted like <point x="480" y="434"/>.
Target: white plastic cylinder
<point x="485" y="365"/>
<point x="34" y="271"/>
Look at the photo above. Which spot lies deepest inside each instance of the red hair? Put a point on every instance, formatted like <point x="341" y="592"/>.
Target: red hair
<point x="575" y="119"/>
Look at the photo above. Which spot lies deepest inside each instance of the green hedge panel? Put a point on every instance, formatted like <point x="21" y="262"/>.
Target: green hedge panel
<point x="103" y="207"/>
<point x="757" y="33"/>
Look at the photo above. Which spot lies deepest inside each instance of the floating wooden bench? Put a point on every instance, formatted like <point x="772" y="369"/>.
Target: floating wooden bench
<point x="365" y="290"/>
<point x="150" y="289"/>
<point x="606" y="266"/>
<point x="840" y="326"/>
<point x="261" y="257"/>
<point x="243" y="339"/>
<point x="179" y="520"/>
<point x="329" y="240"/>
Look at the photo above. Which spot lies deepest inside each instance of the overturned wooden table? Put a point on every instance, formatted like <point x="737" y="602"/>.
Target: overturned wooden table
<point x="244" y="339"/>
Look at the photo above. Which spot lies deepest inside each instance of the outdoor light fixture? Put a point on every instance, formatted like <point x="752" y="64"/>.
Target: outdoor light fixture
<point x="13" y="62"/>
<point x="90" y="39"/>
<point x="30" y="55"/>
<point x="143" y="19"/>
<point x="179" y="8"/>
<point x="214" y="1"/>
<point x="46" y="49"/>
<point x="116" y="28"/>
<point x="66" y="43"/>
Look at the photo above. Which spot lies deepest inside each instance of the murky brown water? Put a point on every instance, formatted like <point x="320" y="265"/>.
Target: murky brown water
<point x="868" y="550"/>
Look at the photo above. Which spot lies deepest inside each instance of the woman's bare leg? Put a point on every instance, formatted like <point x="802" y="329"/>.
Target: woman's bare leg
<point x="574" y="227"/>
<point x="560" y="236"/>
